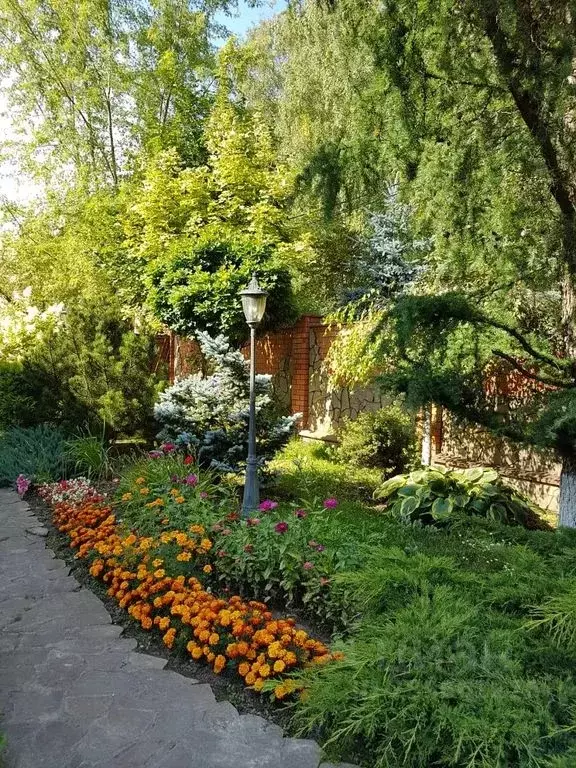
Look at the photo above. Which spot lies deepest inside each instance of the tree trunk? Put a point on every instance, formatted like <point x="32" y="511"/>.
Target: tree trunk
<point x="567" y="516"/>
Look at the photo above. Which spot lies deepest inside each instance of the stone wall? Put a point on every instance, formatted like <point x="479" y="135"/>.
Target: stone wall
<point x="329" y="406"/>
<point x="535" y="473"/>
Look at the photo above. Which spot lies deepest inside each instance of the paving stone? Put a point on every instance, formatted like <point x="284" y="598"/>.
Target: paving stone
<point x="75" y="694"/>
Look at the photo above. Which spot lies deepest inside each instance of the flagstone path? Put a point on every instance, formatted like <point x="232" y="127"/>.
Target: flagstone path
<point x="75" y="694"/>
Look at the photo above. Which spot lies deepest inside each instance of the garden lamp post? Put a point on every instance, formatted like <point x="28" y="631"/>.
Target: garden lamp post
<point x="254" y="305"/>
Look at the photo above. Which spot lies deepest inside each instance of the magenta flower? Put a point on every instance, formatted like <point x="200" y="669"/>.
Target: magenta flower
<point x="330" y="503"/>
<point x="308" y="565"/>
<point x="281" y="527"/>
<point x="154" y="454"/>
<point x="191" y="480"/>
<point x="320" y="548"/>
<point x="301" y="513"/>
<point x="267" y="505"/>
<point x="174" y="479"/>
<point x="168" y="447"/>
<point x="22" y="484"/>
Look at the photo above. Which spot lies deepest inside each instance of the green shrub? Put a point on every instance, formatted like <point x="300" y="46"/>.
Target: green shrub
<point x="39" y="453"/>
<point x="437" y="497"/>
<point x="439" y="681"/>
<point x="383" y="439"/>
<point x="16" y="405"/>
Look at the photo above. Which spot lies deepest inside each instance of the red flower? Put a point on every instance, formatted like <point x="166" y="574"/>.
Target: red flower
<point x="281" y="527"/>
<point x="188" y="460"/>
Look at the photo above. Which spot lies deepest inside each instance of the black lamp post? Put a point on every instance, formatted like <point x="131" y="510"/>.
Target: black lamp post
<point x="254" y="306"/>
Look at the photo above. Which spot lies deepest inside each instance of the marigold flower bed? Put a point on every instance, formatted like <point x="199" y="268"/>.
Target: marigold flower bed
<point x="231" y="633"/>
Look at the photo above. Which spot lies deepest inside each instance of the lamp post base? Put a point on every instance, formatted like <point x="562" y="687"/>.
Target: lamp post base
<point x="251" y="498"/>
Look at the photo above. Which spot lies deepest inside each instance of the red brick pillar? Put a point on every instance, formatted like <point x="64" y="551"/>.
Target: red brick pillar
<point x="301" y="366"/>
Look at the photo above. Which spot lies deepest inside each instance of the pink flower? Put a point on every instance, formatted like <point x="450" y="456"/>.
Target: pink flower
<point x="308" y="565"/>
<point x="203" y="495"/>
<point x="191" y="480"/>
<point x="281" y="527"/>
<point x="154" y="454"/>
<point x="330" y="503"/>
<point x="168" y="447"/>
<point x="301" y="513"/>
<point x="22" y="485"/>
<point x="320" y="548"/>
<point x="324" y="581"/>
<point x="267" y="505"/>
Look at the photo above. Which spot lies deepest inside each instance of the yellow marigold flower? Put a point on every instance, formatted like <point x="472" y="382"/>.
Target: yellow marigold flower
<point x="207" y="569"/>
<point x="140" y="480"/>
<point x="175" y="492"/>
<point x="214" y="639"/>
<point x="279" y="666"/>
<point x="290" y="658"/>
<point x="127" y="497"/>
<point x="203" y="635"/>
<point x="160" y="573"/>
<point x="164" y="623"/>
<point x="280" y="691"/>
<point x="250" y="678"/>
<point x="144" y="491"/>
<point x="179" y="499"/>
<point x="184" y="557"/>
<point x="206" y="544"/>
<point x="181" y="539"/>
<point x="197" y="529"/>
<point x="264" y="670"/>
<point x="157" y="562"/>
<point x="258" y="685"/>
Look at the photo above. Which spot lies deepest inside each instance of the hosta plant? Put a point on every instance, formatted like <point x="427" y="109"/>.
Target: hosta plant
<point x="438" y="497"/>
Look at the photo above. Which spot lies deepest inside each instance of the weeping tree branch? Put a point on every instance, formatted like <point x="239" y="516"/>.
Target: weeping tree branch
<point x="549" y="380"/>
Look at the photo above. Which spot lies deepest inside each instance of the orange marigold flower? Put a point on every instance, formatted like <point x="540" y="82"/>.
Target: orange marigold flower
<point x="183" y="557"/>
<point x="258" y="685"/>
<point x="264" y="670"/>
<point x="140" y="480"/>
<point x="250" y="678"/>
<point x="206" y="544"/>
<point x="144" y="491"/>
<point x="244" y="669"/>
<point x="219" y="663"/>
<point x="214" y="639"/>
<point x="127" y="497"/>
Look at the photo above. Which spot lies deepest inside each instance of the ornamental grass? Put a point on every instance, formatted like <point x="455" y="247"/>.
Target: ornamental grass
<point x="228" y="633"/>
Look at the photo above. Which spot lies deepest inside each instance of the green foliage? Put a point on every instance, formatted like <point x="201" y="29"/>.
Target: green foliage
<point x="438" y="497"/>
<point x="15" y="405"/>
<point x="38" y="452"/>
<point x="90" y="456"/>
<point x="437" y="682"/>
<point x="383" y="439"/>
<point x="308" y="470"/>
<point x="94" y="371"/>
<point x="198" y="289"/>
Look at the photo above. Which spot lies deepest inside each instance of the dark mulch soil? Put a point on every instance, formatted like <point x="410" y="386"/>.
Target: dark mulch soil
<point x="225" y="687"/>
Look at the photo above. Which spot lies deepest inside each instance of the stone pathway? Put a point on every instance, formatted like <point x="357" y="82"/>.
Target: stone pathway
<point x="75" y="694"/>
